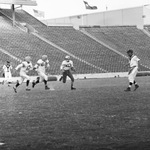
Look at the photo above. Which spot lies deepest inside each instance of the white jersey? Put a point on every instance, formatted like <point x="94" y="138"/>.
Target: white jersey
<point x="134" y="61"/>
<point x="7" y="68"/>
<point x="24" y="67"/>
<point x="41" y="65"/>
<point x="66" y="65"/>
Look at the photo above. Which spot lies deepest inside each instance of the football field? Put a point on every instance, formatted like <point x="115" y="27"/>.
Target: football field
<point x="98" y="115"/>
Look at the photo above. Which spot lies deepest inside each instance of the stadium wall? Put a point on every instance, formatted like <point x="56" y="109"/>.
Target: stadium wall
<point x="85" y="76"/>
<point x="146" y="15"/>
<point x="122" y="17"/>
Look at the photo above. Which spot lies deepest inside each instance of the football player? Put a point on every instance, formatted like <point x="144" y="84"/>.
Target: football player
<point x="40" y="67"/>
<point x="66" y="68"/>
<point x="24" y="67"/>
<point x="7" y="73"/>
<point x="133" y="70"/>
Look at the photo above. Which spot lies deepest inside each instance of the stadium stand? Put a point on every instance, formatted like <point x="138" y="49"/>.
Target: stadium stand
<point x="21" y="44"/>
<point x="123" y="38"/>
<point x="73" y="41"/>
<point x="84" y="47"/>
<point x="76" y="43"/>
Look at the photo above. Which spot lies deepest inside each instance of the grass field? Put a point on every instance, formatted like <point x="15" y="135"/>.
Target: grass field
<point x="99" y="115"/>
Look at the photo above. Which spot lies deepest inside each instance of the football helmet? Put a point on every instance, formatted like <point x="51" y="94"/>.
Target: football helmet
<point x="44" y="57"/>
<point x="28" y="58"/>
<point x="67" y="57"/>
<point x="130" y="51"/>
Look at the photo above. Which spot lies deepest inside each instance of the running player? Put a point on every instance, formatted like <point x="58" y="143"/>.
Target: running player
<point x="40" y="67"/>
<point x="7" y="73"/>
<point x="66" y="68"/>
<point x="24" y="67"/>
<point x="134" y="63"/>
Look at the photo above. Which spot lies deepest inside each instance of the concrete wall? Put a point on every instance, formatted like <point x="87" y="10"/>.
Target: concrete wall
<point x="130" y="16"/>
<point x="146" y="15"/>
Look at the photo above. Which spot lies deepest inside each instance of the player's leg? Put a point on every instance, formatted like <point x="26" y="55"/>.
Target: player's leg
<point x="18" y="83"/>
<point x="45" y="79"/>
<point x="135" y="83"/>
<point x="35" y="82"/>
<point x="72" y="80"/>
<point x="9" y="78"/>
<point x="3" y="82"/>
<point x="27" y="84"/>
<point x="42" y="77"/>
<point x="25" y="76"/>
<point x="5" y="78"/>
<point x="64" y="76"/>
<point x="46" y="86"/>
<point x="61" y="78"/>
<point x="131" y="78"/>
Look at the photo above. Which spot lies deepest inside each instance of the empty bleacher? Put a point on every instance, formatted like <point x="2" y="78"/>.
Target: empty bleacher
<point x="124" y="38"/>
<point x="75" y="43"/>
<point x="84" y="47"/>
<point x="21" y="44"/>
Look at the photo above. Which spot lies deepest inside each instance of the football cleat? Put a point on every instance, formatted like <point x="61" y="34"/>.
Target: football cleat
<point x="15" y="90"/>
<point x="72" y="88"/>
<point x="128" y="89"/>
<point x="136" y="86"/>
<point x="47" y="88"/>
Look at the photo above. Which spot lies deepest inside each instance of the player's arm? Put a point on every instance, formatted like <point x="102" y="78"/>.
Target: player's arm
<point x="31" y="67"/>
<point x="35" y="67"/>
<point x="131" y="69"/>
<point x="62" y="66"/>
<point x="37" y="64"/>
<point x="3" y="67"/>
<point x="47" y="63"/>
<point x="19" y="66"/>
<point x="72" y="67"/>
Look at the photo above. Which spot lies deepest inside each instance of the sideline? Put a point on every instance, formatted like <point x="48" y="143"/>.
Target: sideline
<point x="85" y="76"/>
<point x="77" y="76"/>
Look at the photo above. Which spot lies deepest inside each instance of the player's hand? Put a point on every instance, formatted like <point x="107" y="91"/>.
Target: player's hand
<point x="130" y="70"/>
<point x="126" y="65"/>
<point x="62" y="70"/>
<point x="73" y="69"/>
<point x="48" y="65"/>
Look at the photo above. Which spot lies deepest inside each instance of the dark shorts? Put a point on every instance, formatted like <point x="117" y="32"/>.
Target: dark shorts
<point x="69" y="74"/>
